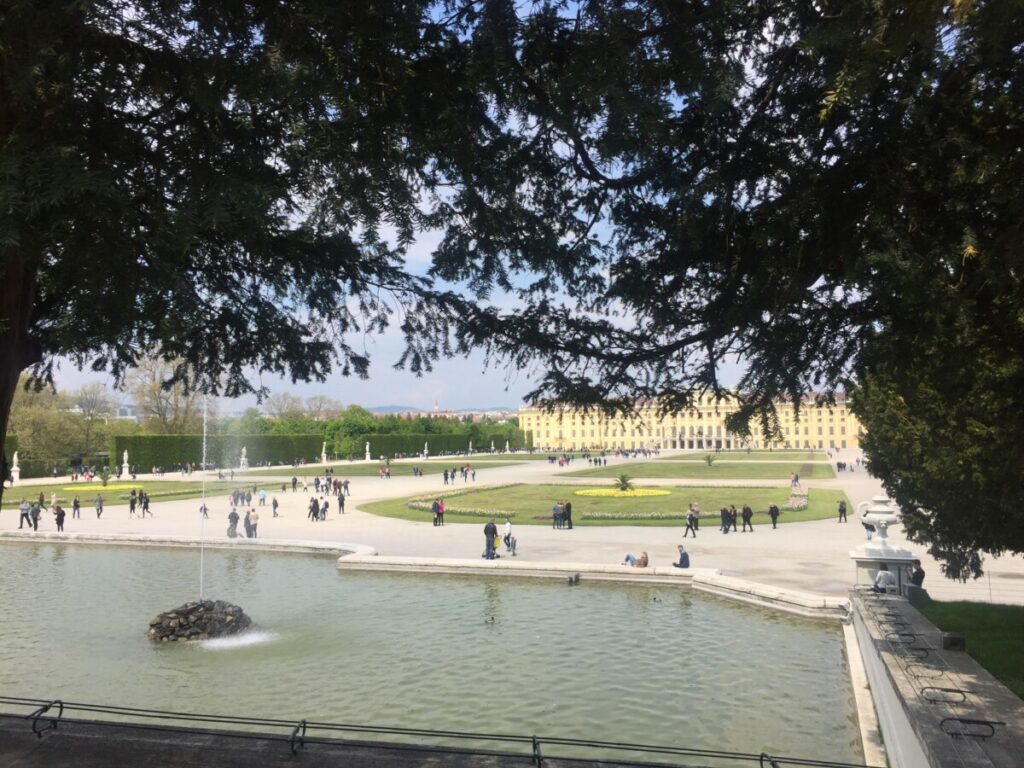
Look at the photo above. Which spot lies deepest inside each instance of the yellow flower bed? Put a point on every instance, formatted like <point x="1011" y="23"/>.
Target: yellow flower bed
<point x="98" y="486"/>
<point x="612" y="493"/>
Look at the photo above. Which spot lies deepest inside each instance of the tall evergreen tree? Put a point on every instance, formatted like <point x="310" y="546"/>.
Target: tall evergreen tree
<point x="817" y="187"/>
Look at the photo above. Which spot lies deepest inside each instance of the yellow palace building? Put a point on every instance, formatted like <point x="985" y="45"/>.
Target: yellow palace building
<point x="699" y="428"/>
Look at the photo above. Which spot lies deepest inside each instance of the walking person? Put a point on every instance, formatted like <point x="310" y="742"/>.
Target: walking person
<point x="690" y="523"/>
<point x="773" y="513"/>
<point x="724" y="513"/>
<point x="144" y="497"/>
<point x="341" y="501"/>
<point x="842" y="511"/>
<point x="247" y="523"/>
<point x="434" y="508"/>
<point x="254" y="521"/>
<point x="76" y="508"/>
<point x="567" y="515"/>
<point x="99" y="506"/>
<point x="34" y="514"/>
<point x="748" y="515"/>
<point x="274" y="505"/>
<point x="60" y="514"/>
<point x="733" y="514"/>
<point x="25" y="518"/>
<point x="203" y="511"/>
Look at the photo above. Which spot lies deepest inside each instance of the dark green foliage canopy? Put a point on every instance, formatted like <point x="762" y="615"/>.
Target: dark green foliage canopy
<point x="830" y="190"/>
<point x="167" y="451"/>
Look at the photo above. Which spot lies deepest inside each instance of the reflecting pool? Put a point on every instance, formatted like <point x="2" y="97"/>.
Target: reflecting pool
<point x="643" y="664"/>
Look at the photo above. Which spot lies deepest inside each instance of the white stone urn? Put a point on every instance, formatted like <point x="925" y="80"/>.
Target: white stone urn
<point x="880" y="512"/>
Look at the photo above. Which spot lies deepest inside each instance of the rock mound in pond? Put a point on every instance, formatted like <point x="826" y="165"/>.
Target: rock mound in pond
<point x="198" y="621"/>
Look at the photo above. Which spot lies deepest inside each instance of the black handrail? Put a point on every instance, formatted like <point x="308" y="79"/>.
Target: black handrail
<point x="300" y="733"/>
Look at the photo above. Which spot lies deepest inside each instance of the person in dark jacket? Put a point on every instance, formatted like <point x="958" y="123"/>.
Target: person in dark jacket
<point x="490" y="532"/>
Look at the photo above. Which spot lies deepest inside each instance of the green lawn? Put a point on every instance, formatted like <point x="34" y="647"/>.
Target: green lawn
<point x="994" y="633"/>
<point x="720" y="470"/>
<point x="398" y="469"/>
<point x="117" y="492"/>
<point x="528" y="502"/>
<point x="797" y="456"/>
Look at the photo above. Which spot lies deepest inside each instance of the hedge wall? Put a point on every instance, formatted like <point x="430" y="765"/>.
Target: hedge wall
<point x="147" y="451"/>
<point x="411" y="444"/>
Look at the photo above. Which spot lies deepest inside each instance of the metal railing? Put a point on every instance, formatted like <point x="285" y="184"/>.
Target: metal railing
<point x="46" y="715"/>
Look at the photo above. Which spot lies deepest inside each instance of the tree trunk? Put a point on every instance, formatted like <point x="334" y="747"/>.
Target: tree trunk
<point x="17" y="350"/>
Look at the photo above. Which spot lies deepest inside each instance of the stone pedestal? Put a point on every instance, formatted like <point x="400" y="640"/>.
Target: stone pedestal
<point x="870" y="555"/>
<point x="15" y="475"/>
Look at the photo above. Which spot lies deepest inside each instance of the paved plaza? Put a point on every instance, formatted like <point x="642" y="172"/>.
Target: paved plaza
<point x="811" y="556"/>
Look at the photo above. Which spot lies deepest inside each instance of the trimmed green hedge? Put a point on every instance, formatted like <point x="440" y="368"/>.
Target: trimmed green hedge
<point x="411" y="444"/>
<point x="147" y="451"/>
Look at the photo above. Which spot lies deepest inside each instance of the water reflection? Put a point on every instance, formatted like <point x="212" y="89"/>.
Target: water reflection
<point x="599" y="661"/>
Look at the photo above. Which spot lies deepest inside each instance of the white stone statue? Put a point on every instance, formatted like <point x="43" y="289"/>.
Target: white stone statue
<point x="492" y="446"/>
<point x="470" y="446"/>
<point x="15" y="469"/>
<point x="368" y="450"/>
<point x="323" y="454"/>
<point x="243" y="462"/>
<point x="506" y="447"/>
<point x="14" y="463"/>
<point x="126" y="469"/>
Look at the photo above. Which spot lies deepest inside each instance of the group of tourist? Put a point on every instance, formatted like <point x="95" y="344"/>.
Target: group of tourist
<point x="492" y="541"/>
<point x="561" y="515"/>
<point x="729" y="515"/>
<point x="886" y="579"/>
<point x="250" y="523"/>
<point x="319" y="507"/>
<point x="138" y="500"/>
<point x="467" y="472"/>
<point x="643" y="561"/>
<point x="31" y="513"/>
<point x="327" y="484"/>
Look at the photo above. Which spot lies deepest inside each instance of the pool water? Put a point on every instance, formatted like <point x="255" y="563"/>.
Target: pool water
<point x="641" y="664"/>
